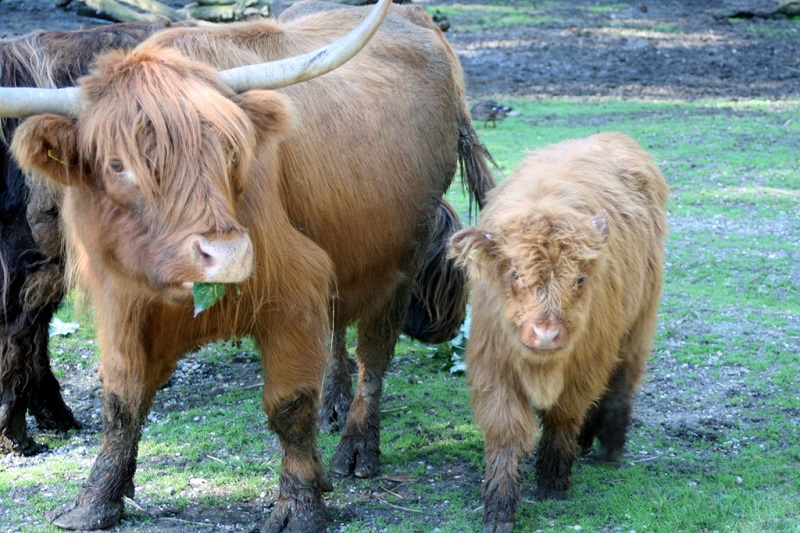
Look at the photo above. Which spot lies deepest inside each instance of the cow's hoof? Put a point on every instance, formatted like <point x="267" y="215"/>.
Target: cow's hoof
<point x="498" y="527"/>
<point x="96" y="515"/>
<point x="333" y="414"/>
<point x="358" y="458"/>
<point x="291" y="517"/>
<point x="51" y="420"/>
<point x="23" y="445"/>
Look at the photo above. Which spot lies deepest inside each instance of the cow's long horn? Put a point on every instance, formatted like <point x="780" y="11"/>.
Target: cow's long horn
<point x="284" y="72"/>
<point x="21" y="102"/>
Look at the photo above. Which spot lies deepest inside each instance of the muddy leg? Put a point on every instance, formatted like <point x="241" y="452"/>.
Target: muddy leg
<point x="501" y="489"/>
<point x="615" y="417"/>
<point x="358" y="452"/>
<point x="591" y="424"/>
<point x="556" y="454"/>
<point x="99" y="504"/>
<point x="302" y="481"/>
<point x="337" y="391"/>
<point x="48" y="406"/>
<point x="509" y="429"/>
<point x="293" y="365"/>
<point x="13" y="426"/>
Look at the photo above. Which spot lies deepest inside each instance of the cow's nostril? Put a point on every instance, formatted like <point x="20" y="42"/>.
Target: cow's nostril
<point x="204" y="257"/>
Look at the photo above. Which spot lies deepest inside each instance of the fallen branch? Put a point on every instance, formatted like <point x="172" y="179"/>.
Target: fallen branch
<point x="155" y="11"/>
<point x="790" y="9"/>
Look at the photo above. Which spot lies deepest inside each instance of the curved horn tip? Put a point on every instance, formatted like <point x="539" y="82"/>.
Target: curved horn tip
<point x="284" y="72"/>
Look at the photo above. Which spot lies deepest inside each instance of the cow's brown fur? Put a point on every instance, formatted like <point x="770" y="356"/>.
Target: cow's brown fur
<point x="335" y="182"/>
<point x="570" y="244"/>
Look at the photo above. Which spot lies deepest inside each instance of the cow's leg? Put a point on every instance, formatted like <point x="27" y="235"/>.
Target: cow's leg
<point x="609" y="419"/>
<point x="47" y="404"/>
<point x="358" y="452"/>
<point x="13" y="426"/>
<point x="556" y="454"/>
<point x="337" y="392"/>
<point x="99" y="505"/>
<point x="130" y="380"/>
<point x="17" y="377"/>
<point x="293" y="365"/>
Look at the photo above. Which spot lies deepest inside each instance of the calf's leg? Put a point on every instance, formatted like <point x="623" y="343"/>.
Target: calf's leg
<point x="556" y="454"/>
<point x="509" y="430"/>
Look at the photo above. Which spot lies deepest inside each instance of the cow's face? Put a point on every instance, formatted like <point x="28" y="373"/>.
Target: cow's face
<point x="543" y="266"/>
<point x="157" y="164"/>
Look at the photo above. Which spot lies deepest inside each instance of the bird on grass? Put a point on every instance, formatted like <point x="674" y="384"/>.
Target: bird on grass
<point x="489" y="110"/>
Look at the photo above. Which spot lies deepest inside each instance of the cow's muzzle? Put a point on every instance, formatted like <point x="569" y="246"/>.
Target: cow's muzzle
<point x="222" y="258"/>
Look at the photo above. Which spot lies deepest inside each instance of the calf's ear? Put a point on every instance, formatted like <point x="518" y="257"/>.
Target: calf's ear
<point x="271" y="113"/>
<point x="47" y="145"/>
<point x="475" y="250"/>
<point x="600" y="223"/>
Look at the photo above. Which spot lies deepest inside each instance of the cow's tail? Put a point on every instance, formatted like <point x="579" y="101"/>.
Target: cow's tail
<point x="473" y="162"/>
<point x="439" y="299"/>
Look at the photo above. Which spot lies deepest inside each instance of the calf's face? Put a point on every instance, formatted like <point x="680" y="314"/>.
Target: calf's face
<point x="542" y="269"/>
<point x="158" y="163"/>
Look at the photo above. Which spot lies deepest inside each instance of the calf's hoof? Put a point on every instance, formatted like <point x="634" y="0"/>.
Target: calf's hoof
<point x="291" y="516"/>
<point x="95" y="515"/>
<point x="549" y="493"/>
<point x="356" y="456"/>
<point x="498" y="527"/>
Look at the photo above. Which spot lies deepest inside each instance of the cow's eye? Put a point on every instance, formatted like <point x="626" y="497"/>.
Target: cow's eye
<point x="580" y="281"/>
<point x="116" y="165"/>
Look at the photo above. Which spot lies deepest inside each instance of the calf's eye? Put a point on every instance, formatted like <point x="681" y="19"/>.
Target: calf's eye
<point x="116" y="165"/>
<point x="581" y="280"/>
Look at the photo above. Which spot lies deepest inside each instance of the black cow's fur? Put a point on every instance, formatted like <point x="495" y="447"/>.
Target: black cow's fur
<point x="31" y="262"/>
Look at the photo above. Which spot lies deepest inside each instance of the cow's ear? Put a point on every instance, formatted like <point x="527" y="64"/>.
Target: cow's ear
<point x="477" y="251"/>
<point x="271" y="112"/>
<point x="47" y="145"/>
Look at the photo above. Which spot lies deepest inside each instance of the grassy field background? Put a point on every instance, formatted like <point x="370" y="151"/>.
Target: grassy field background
<point x="715" y="444"/>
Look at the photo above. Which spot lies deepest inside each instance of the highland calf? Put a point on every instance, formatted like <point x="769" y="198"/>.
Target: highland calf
<point x="565" y="268"/>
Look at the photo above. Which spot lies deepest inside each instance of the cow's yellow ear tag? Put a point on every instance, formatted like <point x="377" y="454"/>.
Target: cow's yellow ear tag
<point x="55" y="155"/>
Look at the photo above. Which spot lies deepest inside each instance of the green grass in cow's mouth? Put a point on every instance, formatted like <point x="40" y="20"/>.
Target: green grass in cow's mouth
<point x="206" y="295"/>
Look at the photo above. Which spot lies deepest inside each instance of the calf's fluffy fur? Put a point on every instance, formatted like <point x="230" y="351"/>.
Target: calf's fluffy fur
<point x="566" y="268"/>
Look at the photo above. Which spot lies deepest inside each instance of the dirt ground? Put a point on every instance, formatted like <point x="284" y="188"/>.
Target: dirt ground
<point x="697" y="55"/>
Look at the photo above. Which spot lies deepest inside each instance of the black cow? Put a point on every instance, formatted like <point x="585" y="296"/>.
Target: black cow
<point x="31" y="262"/>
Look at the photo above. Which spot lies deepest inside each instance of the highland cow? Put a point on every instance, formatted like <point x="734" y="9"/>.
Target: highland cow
<point x="199" y="158"/>
<point x="565" y="268"/>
